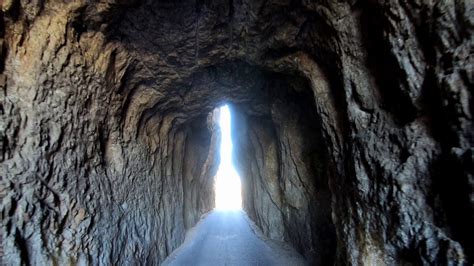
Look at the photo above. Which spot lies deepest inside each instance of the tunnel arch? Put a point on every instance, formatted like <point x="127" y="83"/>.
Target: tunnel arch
<point x="108" y="147"/>
<point x="281" y="108"/>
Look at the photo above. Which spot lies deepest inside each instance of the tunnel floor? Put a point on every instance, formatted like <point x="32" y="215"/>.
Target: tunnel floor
<point x="230" y="238"/>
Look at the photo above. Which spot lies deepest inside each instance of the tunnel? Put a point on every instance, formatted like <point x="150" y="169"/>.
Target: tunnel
<point x="351" y="126"/>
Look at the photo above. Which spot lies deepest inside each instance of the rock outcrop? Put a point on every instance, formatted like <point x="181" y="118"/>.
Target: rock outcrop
<point x="353" y="129"/>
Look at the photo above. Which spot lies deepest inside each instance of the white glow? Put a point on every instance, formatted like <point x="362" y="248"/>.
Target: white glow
<point x="227" y="181"/>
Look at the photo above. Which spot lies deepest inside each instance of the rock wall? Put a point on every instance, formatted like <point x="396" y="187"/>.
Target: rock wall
<point x="284" y="170"/>
<point x="198" y="186"/>
<point x="355" y="125"/>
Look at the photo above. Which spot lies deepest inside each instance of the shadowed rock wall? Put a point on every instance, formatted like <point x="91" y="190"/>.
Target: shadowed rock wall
<point x="357" y="114"/>
<point x="284" y="171"/>
<point x="198" y="187"/>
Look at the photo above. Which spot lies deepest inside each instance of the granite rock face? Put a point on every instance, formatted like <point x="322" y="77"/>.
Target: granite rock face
<point x="353" y="127"/>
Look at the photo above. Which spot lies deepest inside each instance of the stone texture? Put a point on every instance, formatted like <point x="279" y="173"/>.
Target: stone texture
<point x="284" y="169"/>
<point x="354" y="127"/>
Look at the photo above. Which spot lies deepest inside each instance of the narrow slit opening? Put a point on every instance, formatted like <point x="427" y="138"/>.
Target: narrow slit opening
<point x="227" y="181"/>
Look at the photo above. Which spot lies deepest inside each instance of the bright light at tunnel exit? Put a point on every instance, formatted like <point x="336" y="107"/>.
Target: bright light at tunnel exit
<point x="227" y="182"/>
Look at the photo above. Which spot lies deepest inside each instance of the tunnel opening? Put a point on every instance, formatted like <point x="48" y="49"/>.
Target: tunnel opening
<point x="228" y="196"/>
<point x="109" y="155"/>
<point x="278" y="150"/>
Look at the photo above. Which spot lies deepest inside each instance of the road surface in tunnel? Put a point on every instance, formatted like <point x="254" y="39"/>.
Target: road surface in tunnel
<point x="230" y="238"/>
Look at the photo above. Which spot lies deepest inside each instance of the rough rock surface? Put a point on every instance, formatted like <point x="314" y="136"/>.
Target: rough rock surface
<point x="354" y="132"/>
<point x="284" y="171"/>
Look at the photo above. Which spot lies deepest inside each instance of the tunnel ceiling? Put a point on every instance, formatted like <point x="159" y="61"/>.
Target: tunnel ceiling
<point x="197" y="45"/>
<point x="352" y="130"/>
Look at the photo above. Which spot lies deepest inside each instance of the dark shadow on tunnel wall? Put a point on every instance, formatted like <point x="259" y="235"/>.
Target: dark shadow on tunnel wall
<point x="281" y="158"/>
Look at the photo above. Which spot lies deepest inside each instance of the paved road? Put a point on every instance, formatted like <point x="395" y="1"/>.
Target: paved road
<point x="226" y="238"/>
